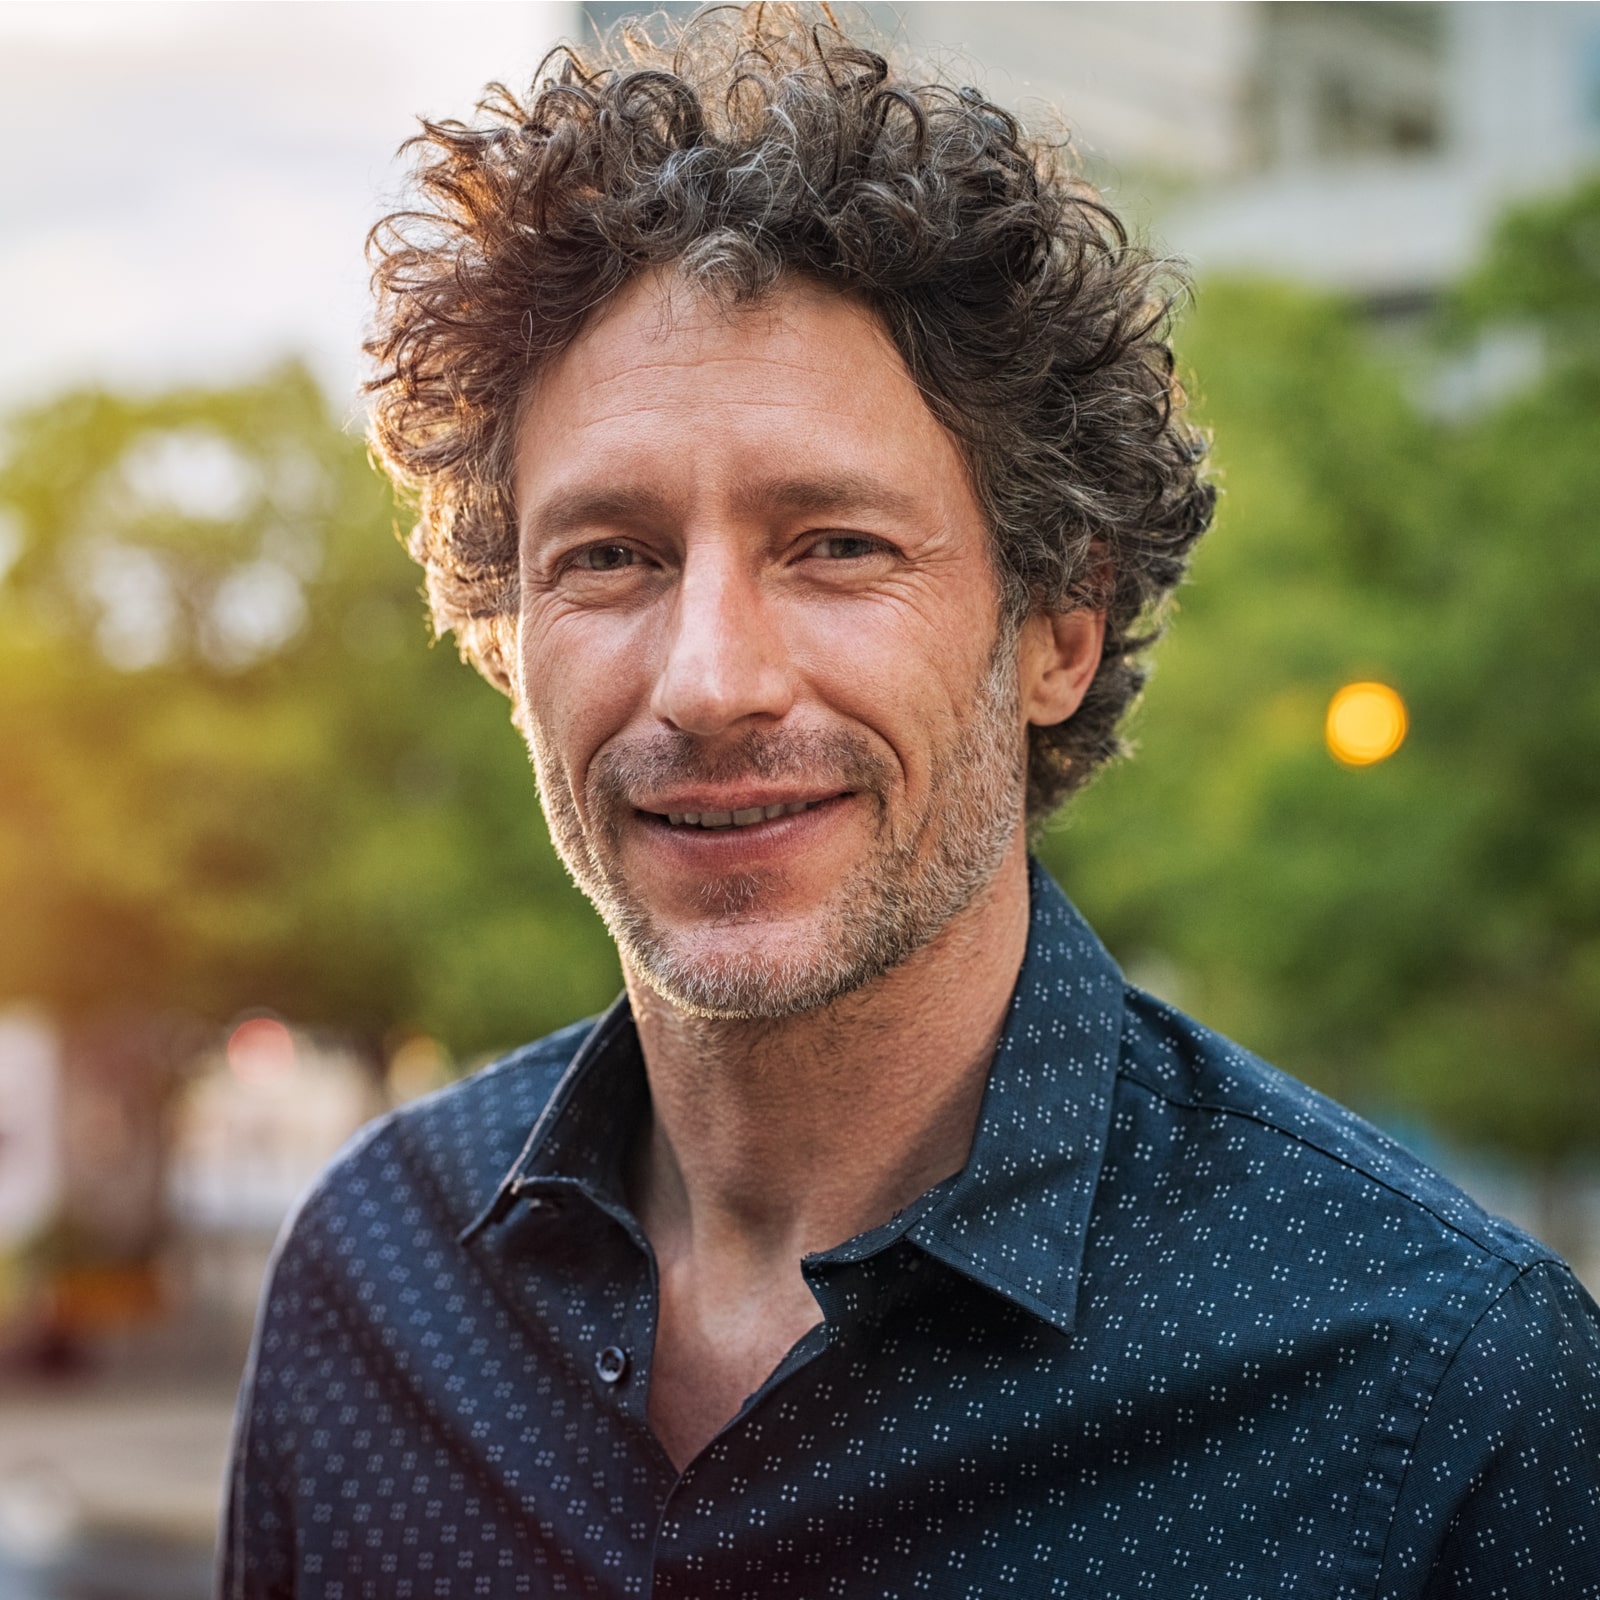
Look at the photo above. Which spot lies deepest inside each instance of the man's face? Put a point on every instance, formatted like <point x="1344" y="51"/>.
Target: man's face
<point x="775" y="722"/>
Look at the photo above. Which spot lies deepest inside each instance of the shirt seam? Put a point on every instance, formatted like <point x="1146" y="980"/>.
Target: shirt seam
<point x="1484" y="1245"/>
<point x="1426" y="1408"/>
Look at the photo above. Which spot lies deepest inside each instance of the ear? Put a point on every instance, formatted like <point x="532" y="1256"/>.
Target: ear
<point x="1059" y="656"/>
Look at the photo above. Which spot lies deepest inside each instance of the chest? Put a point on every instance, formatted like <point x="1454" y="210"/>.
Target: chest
<point x="712" y="1350"/>
<point x="944" y="1443"/>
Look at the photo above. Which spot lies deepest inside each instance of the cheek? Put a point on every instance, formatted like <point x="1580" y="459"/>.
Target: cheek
<point x="906" y="675"/>
<point x="581" y="681"/>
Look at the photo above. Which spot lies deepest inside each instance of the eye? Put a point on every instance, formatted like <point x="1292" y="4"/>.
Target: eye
<point x="845" y="547"/>
<point x="605" y="558"/>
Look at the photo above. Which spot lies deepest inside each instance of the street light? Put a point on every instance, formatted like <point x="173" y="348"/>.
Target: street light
<point x="1366" y="724"/>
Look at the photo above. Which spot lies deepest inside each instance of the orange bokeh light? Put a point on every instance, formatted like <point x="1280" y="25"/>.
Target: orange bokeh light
<point x="260" y="1050"/>
<point x="1366" y="723"/>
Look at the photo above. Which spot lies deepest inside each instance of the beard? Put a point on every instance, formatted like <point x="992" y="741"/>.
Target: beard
<point x="918" y="874"/>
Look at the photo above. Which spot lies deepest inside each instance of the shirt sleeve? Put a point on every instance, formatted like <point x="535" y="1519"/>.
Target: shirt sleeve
<point x="255" y="1557"/>
<point x="1502" y="1497"/>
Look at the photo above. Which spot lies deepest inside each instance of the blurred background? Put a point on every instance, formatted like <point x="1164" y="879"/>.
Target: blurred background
<point x="270" y="864"/>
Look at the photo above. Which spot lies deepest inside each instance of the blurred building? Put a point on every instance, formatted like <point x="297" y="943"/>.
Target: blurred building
<point x="252" y="1128"/>
<point x="1378" y="143"/>
<point x="30" y="1144"/>
<point x="143" y="1179"/>
<point x="82" y="1154"/>
<point x="1365" y="147"/>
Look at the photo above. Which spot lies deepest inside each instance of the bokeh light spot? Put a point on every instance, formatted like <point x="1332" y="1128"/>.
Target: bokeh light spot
<point x="1366" y="723"/>
<point x="260" y="1050"/>
<point x="417" y="1067"/>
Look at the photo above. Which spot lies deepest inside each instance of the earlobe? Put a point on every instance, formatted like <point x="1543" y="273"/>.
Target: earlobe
<point x="1060" y="654"/>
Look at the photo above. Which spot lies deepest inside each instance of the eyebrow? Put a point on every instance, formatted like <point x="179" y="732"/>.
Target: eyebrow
<point x="568" y="511"/>
<point x="819" y="494"/>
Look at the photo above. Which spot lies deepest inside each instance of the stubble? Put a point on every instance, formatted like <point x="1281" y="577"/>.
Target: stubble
<point x="919" y="874"/>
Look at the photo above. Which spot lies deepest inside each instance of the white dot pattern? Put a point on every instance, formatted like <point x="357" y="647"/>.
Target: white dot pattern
<point x="1181" y="1329"/>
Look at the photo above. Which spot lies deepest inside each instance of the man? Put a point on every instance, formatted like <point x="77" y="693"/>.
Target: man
<point x="798" y="448"/>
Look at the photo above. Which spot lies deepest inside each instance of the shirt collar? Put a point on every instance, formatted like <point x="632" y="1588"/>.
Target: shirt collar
<point x="1013" y="1219"/>
<point x="580" y="1139"/>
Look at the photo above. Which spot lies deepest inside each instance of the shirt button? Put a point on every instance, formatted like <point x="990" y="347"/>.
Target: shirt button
<point x="611" y="1364"/>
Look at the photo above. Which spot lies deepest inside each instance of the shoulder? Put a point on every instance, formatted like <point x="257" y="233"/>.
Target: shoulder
<point x="367" y="1249"/>
<point x="447" y="1152"/>
<point x="1302" y="1147"/>
<point x="1501" y="1492"/>
<point x="1277" y="1191"/>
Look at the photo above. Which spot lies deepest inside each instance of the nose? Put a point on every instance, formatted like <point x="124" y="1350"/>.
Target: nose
<point x="724" y="659"/>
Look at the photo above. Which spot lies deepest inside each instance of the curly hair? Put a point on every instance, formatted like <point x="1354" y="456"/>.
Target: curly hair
<point x="742" y="148"/>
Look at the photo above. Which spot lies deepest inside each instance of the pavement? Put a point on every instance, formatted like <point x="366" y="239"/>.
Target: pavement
<point x="110" y="1491"/>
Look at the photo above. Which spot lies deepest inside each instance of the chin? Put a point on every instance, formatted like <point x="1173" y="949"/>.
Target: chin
<point x="738" y="975"/>
<point x="750" y="970"/>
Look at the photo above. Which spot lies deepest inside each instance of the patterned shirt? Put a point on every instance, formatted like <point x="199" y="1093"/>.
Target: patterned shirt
<point x="1180" y="1328"/>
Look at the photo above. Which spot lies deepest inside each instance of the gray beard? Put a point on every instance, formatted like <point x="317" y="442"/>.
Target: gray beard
<point x="898" y="899"/>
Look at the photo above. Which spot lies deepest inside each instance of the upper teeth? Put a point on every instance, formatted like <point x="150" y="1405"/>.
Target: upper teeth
<point x="738" y="819"/>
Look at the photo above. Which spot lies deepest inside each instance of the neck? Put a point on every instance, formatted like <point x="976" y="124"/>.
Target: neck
<point x="772" y="1140"/>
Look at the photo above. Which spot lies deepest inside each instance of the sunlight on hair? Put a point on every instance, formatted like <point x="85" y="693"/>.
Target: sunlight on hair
<point x="1366" y="723"/>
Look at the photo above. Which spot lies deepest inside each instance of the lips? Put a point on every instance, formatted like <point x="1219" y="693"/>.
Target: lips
<point x="744" y="818"/>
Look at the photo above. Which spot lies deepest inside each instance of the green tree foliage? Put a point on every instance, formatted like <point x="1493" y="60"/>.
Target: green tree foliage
<point x="235" y="775"/>
<point x="1422" y="936"/>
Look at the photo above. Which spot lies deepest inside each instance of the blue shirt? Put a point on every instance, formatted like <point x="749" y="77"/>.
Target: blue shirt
<point x="1180" y="1328"/>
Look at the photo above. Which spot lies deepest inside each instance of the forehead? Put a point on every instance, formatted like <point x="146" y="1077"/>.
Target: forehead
<point x="673" y="387"/>
<point x="661" y="327"/>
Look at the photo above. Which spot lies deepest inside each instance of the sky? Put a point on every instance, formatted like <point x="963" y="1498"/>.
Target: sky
<point x="185" y="186"/>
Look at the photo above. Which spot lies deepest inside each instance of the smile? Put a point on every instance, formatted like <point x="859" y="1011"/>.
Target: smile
<point x="739" y="819"/>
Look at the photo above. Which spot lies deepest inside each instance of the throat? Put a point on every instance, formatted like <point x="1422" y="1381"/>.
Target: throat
<point x="719" y="1337"/>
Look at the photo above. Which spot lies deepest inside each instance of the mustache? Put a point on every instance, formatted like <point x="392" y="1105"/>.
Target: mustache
<point x="839" y="757"/>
